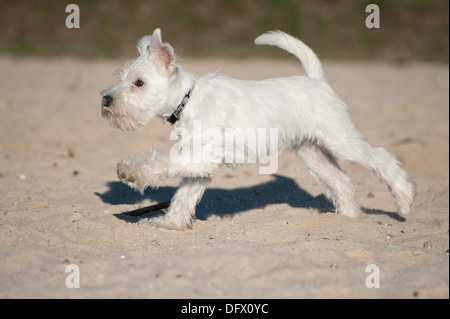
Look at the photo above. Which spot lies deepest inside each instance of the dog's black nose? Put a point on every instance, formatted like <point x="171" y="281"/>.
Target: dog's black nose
<point x="106" y="101"/>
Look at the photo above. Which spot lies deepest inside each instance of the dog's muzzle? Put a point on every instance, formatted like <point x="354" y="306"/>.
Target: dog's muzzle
<point x="106" y="101"/>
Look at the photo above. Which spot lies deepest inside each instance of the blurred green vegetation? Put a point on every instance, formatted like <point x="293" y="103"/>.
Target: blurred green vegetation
<point x="410" y="29"/>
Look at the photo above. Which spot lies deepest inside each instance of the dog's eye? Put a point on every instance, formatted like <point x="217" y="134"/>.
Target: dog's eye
<point x="139" y="82"/>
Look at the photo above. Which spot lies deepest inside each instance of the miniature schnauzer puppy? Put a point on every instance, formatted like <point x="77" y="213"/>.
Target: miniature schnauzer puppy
<point x="310" y="118"/>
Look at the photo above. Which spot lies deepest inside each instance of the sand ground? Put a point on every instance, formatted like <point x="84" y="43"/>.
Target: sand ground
<point x="256" y="236"/>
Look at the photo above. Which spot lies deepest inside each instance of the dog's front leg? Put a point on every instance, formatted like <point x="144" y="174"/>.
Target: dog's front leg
<point x="181" y="212"/>
<point x="140" y="173"/>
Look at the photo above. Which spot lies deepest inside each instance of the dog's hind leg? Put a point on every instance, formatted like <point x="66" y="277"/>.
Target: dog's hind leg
<point x="379" y="160"/>
<point x="323" y="166"/>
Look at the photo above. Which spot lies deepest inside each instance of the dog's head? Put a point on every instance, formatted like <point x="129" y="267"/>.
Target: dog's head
<point x="143" y="90"/>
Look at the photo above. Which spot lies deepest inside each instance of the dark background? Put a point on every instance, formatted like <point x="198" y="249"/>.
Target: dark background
<point x="410" y="29"/>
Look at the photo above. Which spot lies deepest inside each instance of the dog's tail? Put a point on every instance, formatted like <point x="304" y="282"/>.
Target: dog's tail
<point x="309" y="60"/>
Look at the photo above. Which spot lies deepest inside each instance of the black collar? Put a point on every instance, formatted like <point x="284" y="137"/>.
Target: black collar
<point x="177" y="114"/>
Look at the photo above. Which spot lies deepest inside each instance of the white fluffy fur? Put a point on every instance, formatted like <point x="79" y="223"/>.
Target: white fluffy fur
<point x="310" y="117"/>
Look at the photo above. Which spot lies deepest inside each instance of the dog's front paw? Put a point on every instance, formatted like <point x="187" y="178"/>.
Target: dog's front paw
<point x="167" y="222"/>
<point x="128" y="174"/>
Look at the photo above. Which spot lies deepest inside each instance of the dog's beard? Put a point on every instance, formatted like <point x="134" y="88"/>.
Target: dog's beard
<point x="123" y="121"/>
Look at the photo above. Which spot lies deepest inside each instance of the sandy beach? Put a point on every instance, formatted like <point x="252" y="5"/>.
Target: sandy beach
<point x="256" y="236"/>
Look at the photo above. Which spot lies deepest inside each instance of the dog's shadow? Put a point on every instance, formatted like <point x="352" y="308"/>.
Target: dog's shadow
<point x="223" y="202"/>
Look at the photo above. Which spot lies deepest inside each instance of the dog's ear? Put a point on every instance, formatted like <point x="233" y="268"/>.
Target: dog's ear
<point x="143" y="45"/>
<point x="162" y="52"/>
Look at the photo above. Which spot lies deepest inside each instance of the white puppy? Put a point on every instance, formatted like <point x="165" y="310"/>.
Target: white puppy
<point x="308" y="116"/>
